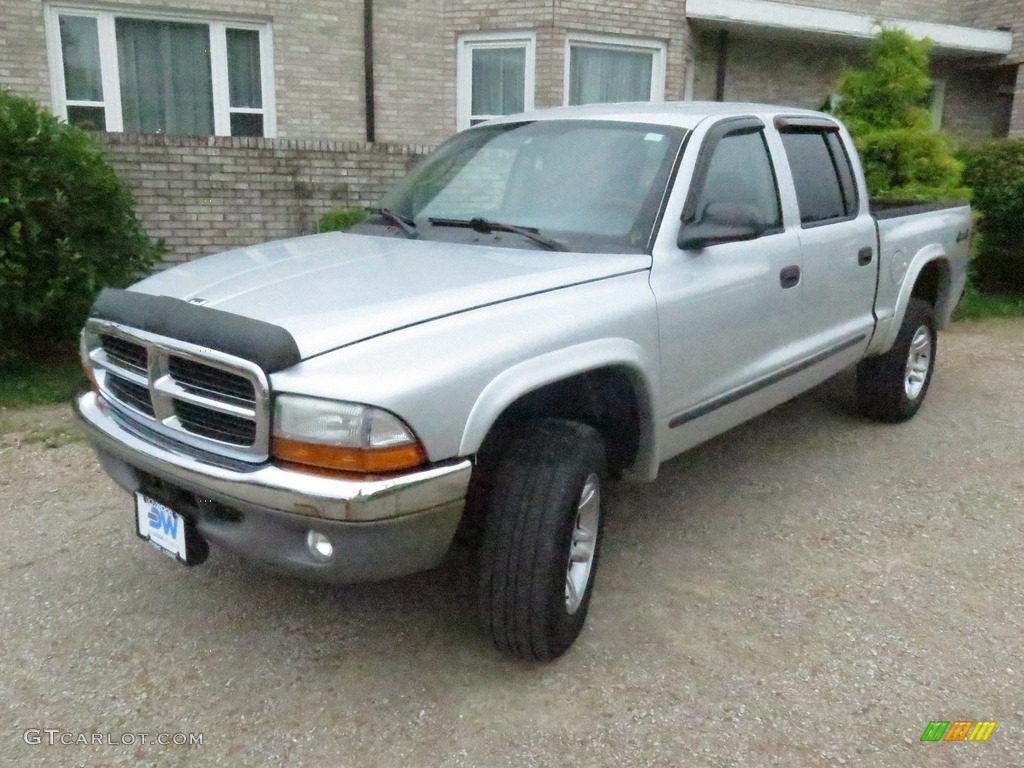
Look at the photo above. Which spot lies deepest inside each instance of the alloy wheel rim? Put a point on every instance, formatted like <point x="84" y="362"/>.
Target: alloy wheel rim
<point x="583" y="545"/>
<point x="918" y="361"/>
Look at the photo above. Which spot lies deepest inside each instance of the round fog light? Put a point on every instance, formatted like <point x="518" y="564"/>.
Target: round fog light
<point x="319" y="546"/>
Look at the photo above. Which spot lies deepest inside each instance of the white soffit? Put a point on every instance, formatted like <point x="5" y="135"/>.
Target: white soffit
<point x="948" y="38"/>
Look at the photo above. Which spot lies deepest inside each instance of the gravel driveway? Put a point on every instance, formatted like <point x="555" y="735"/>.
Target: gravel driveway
<point x="810" y="589"/>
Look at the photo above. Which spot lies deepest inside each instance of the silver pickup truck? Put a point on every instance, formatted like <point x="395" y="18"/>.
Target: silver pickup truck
<point x="547" y="301"/>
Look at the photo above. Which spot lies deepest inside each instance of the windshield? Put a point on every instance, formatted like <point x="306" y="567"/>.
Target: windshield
<point x="594" y="186"/>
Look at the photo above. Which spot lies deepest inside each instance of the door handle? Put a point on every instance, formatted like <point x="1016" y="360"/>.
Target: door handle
<point x="789" y="276"/>
<point x="864" y="255"/>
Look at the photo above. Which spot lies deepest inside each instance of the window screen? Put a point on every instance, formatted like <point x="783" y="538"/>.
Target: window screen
<point x="604" y="75"/>
<point x="499" y="81"/>
<point x="824" y="182"/>
<point x="741" y="172"/>
<point x="166" y="84"/>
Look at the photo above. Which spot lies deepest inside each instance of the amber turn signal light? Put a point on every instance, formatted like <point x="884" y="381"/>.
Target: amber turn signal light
<point x="364" y="460"/>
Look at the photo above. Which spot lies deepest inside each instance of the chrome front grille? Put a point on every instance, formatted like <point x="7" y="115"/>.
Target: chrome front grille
<point x="211" y="382"/>
<point x="216" y="426"/>
<point x="125" y="353"/>
<point x="135" y="395"/>
<point x="193" y="395"/>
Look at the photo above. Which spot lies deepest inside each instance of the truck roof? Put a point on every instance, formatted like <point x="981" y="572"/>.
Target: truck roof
<point x="682" y="114"/>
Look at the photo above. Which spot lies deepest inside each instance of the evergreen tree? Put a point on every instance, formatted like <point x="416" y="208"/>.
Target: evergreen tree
<point x="885" y="106"/>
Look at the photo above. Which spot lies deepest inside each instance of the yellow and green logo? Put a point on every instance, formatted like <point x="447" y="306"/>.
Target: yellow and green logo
<point x="958" y="730"/>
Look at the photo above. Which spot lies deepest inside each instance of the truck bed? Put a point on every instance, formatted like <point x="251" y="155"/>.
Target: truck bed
<point x="891" y="208"/>
<point x="910" y="232"/>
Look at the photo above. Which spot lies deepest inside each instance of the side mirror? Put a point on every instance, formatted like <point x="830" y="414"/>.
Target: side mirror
<point x="722" y="223"/>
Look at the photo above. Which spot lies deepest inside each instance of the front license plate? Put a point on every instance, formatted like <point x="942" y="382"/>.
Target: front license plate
<point x="161" y="526"/>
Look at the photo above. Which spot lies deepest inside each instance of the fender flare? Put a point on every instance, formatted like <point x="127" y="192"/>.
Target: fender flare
<point x="531" y="374"/>
<point x="924" y="257"/>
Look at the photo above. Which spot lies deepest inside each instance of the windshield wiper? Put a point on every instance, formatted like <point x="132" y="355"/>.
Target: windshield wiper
<point x="486" y="227"/>
<point x="407" y="225"/>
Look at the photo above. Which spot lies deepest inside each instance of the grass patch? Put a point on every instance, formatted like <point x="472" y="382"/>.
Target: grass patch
<point x="27" y="384"/>
<point x="978" y="306"/>
<point x="51" y="426"/>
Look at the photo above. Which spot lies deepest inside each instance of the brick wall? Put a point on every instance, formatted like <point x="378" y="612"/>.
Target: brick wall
<point x="318" y="56"/>
<point x="938" y="11"/>
<point x="23" y="66"/>
<point x="207" y="195"/>
<point x="992" y="14"/>
<point x="977" y="100"/>
<point x="414" y="70"/>
<point x="770" y="70"/>
<point x="318" y="53"/>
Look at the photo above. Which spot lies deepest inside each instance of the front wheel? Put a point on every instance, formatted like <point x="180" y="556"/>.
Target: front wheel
<point x="891" y="387"/>
<point x="542" y="538"/>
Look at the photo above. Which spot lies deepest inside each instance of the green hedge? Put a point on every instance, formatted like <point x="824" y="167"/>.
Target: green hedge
<point x="995" y="172"/>
<point x="341" y="219"/>
<point x="67" y="229"/>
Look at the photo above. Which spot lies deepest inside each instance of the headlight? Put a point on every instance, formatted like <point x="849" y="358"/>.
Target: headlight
<point x="344" y="436"/>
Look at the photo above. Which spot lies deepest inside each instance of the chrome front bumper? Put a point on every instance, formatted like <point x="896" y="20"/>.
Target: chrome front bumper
<point x="380" y="527"/>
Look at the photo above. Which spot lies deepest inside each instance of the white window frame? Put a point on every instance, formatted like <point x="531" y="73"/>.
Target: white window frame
<point x="110" y="78"/>
<point x="464" y="70"/>
<point x="656" y="48"/>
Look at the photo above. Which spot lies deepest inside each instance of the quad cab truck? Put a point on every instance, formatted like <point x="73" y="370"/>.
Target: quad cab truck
<point x="547" y="302"/>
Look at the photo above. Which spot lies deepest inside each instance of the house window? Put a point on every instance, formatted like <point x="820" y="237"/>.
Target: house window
<point x="609" y="69"/>
<point x="495" y="76"/>
<point x="160" y="73"/>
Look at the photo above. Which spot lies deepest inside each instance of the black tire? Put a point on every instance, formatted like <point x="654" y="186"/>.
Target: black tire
<point x="529" y="529"/>
<point x="882" y="388"/>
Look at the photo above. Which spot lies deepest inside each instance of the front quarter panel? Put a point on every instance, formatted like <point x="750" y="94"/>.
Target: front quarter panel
<point x="450" y="378"/>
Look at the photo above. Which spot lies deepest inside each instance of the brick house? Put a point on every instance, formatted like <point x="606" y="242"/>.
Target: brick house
<point x="242" y="121"/>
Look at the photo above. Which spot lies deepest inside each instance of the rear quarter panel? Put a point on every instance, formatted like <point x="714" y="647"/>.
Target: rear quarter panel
<point x="906" y="245"/>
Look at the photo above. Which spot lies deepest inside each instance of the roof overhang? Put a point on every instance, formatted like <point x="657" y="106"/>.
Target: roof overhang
<point x="801" y="20"/>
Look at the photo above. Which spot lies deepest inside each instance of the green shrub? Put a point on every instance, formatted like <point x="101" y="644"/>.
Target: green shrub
<point x="67" y="229"/>
<point x="885" y="106"/>
<point x="995" y="172"/>
<point x="911" y="164"/>
<point x="341" y="220"/>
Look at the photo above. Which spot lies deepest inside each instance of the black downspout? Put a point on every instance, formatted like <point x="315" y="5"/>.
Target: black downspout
<point x="723" y="58"/>
<point x="371" y="120"/>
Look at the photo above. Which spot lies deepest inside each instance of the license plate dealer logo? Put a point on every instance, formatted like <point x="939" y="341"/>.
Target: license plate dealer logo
<point x="958" y="730"/>
<point x="163" y="521"/>
<point x="161" y="526"/>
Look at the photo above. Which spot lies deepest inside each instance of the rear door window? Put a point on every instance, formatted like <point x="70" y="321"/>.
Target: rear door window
<point x="822" y="175"/>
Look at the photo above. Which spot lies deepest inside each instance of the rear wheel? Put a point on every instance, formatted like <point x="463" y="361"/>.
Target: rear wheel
<point x="542" y="538"/>
<point x="891" y="387"/>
